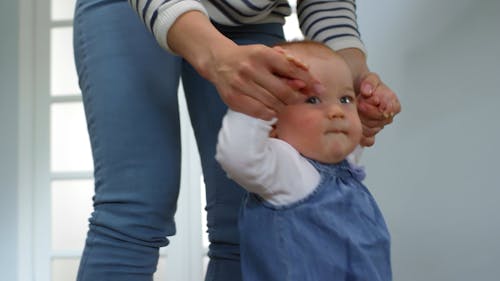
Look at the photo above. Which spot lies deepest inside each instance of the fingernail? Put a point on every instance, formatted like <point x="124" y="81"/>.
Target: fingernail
<point x="367" y="88"/>
<point x="386" y="115"/>
<point x="304" y="65"/>
<point x="319" y="88"/>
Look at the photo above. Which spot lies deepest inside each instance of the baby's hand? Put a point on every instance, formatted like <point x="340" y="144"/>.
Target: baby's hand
<point x="377" y="106"/>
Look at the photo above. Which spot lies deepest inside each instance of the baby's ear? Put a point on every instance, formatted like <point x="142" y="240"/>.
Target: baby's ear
<point x="273" y="133"/>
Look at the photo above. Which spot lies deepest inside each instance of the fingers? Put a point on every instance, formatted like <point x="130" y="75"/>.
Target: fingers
<point x="377" y="107"/>
<point x="294" y="83"/>
<point x="287" y="91"/>
<point x="372" y="119"/>
<point x="389" y="102"/>
<point x="249" y="105"/>
<point x="395" y="107"/>
<point x="288" y="78"/>
<point x="271" y="91"/>
<point x="291" y="58"/>
<point x="378" y="94"/>
<point x="367" y="141"/>
<point x="368" y="136"/>
<point x="260" y="81"/>
<point x="369" y="83"/>
<point x="369" y="112"/>
<point x="380" y="108"/>
<point x="245" y="75"/>
<point x="371" y="131"/>
<point x="290" y="67"/>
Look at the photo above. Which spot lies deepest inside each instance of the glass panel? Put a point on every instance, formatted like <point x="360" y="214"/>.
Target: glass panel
<point x="205" y="264"/>
<point x="62" y="9"/>
<point x="204" y="229"/>
<point x="63" y="78"/>
<point x="71" y="208"/>
<point x="70" y="146"/>
<point x="64" y="269"/>
<point x="291" y="27"/>
<point x="160" y="274"/>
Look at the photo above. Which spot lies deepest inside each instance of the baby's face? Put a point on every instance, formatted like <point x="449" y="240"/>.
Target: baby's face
<point x="325" y="128"/>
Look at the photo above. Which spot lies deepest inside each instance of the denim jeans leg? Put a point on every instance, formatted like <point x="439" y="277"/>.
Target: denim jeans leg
<point x="129" y="87"/>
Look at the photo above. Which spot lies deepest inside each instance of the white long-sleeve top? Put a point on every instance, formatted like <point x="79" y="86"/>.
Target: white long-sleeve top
<point x="332" y="22"/>
<point x="266" y="166"/>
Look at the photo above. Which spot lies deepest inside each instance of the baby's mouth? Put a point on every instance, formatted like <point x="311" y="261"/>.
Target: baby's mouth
<point x="335" y="131"/>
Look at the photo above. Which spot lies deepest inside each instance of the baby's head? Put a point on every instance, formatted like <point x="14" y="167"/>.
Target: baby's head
<point x="325" y="128"/>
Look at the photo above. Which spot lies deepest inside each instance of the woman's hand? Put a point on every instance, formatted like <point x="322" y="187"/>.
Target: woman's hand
<point x="252" y="79"/>
<point x="377" y="103"/>
<point x="377" y="106"/>
<point x="259" y="81"/>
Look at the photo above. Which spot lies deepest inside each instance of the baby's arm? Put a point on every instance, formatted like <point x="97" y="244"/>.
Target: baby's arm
<point x="268" y="167"/>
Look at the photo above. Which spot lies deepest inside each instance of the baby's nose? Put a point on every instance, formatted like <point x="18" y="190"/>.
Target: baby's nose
<point x="335" y="111"/>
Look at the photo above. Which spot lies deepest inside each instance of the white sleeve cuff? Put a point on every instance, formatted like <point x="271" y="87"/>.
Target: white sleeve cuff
<point x="168" y="14"/>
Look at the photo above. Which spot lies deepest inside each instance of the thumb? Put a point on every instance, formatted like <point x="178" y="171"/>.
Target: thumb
<point x="368" y="84"/>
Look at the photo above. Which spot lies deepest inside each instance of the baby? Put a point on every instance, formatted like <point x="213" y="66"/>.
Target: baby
<point x="307" y="216"/>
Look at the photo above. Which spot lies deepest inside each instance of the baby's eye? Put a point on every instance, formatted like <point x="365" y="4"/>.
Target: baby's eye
<point x="346" y="99"/>
<point x="313" y="100"/>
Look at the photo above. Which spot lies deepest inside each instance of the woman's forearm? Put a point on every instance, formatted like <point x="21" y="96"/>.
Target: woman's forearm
<point x="193" y="37"/>
<point x="356" y="60"/>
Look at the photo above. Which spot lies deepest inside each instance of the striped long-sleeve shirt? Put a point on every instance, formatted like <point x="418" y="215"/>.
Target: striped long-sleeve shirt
<point x="332" y="22"/>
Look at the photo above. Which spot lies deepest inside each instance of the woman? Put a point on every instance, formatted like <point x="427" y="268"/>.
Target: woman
<point x="129" y="84"/>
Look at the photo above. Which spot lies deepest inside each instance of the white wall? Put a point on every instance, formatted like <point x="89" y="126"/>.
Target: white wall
<point x="9" y="104"/>
<point x="435" y="170"/>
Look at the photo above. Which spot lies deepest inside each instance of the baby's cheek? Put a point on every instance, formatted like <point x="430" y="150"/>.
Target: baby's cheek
<point x="307" y="120"/>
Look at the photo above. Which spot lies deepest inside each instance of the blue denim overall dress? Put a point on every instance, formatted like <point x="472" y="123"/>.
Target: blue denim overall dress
<point x="335" y="233"/>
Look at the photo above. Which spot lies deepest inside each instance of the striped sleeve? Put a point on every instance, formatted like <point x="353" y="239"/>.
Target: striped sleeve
<point x="160" y="15"/>
<point x="333" y="22"/>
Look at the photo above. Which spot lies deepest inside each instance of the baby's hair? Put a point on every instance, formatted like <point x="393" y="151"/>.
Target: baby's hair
<point x="317" y="48"/>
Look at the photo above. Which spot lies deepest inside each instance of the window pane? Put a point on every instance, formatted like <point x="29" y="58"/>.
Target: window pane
<point x="70" y="146"/>
<point x="63" y="78"/>
<point x="71" y="208"/>
<point x="291" y="27"/>
<point x="205" y="261"/>
<point x="62" y="9"/>
<point x="64" y="269"/>
<point x="160" y="274"/>
<point x="204" y="228"/>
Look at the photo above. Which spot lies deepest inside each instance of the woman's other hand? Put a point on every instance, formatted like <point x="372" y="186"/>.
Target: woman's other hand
<point x="377" y="106"/>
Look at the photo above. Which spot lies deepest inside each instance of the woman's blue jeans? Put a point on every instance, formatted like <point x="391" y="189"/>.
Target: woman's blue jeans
<point x="129" y="86"/>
